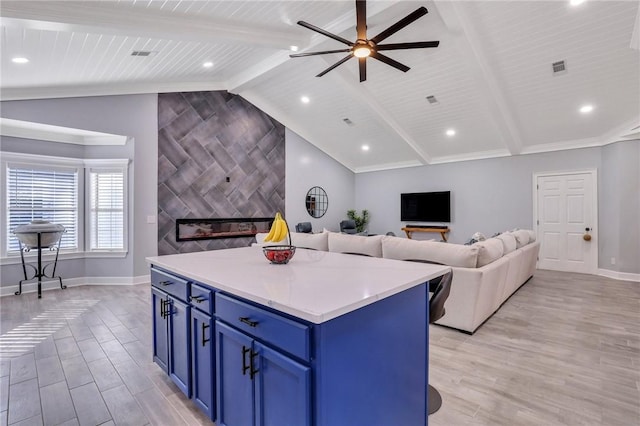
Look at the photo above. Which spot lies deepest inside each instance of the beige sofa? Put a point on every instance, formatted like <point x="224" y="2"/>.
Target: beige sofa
<point x="485" y="274"/>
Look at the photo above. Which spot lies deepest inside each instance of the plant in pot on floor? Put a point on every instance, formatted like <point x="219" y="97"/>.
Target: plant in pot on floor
<point x="361" y="221"/>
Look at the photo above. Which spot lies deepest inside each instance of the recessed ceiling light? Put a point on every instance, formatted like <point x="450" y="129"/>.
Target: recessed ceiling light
<point x="20" y="60"/>
<point x="586" y="109"/>
<point x="365" y="147"/>
<point x="576" y="2"/>
<point x="451" y="132"/>
<point x="305" y="99"/>
<point x="293" y="48"/>
<point x="208" y="64"/>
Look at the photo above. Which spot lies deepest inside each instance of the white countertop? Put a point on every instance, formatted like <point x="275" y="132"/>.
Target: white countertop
<point x="315" y="285"/>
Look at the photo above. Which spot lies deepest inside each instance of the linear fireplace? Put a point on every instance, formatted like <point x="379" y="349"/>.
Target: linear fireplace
<point x="206" y="229"/>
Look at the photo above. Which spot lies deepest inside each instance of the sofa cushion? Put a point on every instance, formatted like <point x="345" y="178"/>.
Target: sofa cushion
<point x="522" y="237"/>
<point x="489" y="251"/>
<point x="318" y="241"/>
<point x="446" y="253"/>
<point x="346" y="243"/>
<point x="532" y="235"/>
<point x="260" y="236"/>
<point x="508" y="242"/>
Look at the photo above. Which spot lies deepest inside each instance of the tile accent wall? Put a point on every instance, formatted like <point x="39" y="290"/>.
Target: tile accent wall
<point x="203" y="139"/>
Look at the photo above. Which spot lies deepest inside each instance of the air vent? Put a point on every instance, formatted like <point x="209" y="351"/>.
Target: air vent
<point x="142" y="53"/>
<point x="432" y="99"/>
<point x="347" y="122"/>
<point x="559" y="67"/>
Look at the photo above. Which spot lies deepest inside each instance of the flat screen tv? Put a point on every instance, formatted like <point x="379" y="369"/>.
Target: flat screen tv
<point x="426" y="207"/>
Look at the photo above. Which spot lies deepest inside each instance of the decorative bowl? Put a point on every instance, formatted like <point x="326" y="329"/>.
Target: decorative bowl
<point x="279" y="255"/>
<point x="49" y="233"/>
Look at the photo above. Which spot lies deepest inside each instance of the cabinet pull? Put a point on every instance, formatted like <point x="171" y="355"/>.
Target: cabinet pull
<point x="168" y="310"/>
<point x="166" y="283"/>
<point x="247" y="321"/>
<point x="162" y="309"/>
<point x="197" y="299"/>
<point x="253" y="371"/>
<point x="204" y="327"/>
<point x="245" y="367"/>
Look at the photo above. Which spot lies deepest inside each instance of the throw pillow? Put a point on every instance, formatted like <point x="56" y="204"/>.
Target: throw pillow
<point x="346" y="243"/>
<point x="446" y="253"/>
<point x="522" y="237"/>
<point x="318" y="241"/>
<point x="508" y="242"/>
<point x="489" y="251"/>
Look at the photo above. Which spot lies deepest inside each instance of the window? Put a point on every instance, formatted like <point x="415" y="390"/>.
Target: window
<point x="87" y="197"/>
<point x="106" y="211"/>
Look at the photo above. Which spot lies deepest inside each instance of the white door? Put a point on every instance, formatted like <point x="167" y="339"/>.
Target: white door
<point x="566" y="213"/>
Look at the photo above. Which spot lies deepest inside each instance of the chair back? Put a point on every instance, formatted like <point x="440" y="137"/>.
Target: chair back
<point x="304" y="227"/>
<point x="440" y="295"/>
<point x="348" y="226"/>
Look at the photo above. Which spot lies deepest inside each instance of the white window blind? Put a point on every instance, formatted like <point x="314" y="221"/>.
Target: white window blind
<point x="106" y="211"/>
<point x="44" y="193"/>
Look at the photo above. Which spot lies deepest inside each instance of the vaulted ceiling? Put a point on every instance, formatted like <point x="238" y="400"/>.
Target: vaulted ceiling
<point x="491" y="74"/>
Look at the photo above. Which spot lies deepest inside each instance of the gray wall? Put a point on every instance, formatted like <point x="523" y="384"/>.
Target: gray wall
<point x="306" y="167"/>
<point x="203" y="139"/>
<point x="134" y="116"/>
<point x="495" y="195"/>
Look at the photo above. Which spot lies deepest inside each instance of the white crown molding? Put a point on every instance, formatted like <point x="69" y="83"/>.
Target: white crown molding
<point x="483" y="155"/>
<point x="622" y="276"/>
<point x="47" y="132"/>
<point x="389" y="166"/>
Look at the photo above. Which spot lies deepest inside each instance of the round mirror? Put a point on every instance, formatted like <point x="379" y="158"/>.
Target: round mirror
<point x="316" y="202"/>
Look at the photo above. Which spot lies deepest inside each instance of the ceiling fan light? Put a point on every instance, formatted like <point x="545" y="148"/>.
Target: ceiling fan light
<point x="362" y="51"/>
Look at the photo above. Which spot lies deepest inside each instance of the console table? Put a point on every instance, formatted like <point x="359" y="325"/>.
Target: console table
<point x="441" y="231"/>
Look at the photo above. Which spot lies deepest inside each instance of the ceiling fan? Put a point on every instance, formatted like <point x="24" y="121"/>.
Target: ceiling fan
<point x="365" y="47"/>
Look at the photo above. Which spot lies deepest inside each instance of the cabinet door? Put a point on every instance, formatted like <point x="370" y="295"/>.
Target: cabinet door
<point x="202" y="344"/>
<point x="234" y="385"/>
<point x="180" y="345"/>
<point x="282" y="389"/>
<point x="160" y="341"/>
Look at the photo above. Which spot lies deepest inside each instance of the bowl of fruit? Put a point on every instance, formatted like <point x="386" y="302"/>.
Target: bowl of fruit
<point x="279" y="254"/>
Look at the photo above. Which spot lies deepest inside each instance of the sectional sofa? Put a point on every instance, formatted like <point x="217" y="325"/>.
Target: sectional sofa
<point x="485" y="274"/>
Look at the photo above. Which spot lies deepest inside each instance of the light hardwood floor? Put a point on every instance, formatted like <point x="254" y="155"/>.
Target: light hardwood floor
<point x="563" y="350"/>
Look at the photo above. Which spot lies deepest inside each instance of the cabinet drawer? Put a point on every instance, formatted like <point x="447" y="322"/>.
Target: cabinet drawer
<point x="288" y="335"/>
<point x="170" y="283"/>
<point x="201" y="298"/>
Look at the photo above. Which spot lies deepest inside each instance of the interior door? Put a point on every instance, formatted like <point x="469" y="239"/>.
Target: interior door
<point x="566" y="220"/>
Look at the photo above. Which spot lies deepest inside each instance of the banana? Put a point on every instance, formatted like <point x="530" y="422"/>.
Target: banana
<point x="283" y="230"/>
<point x="277" y="228"/>
<point x="272" y="231"/>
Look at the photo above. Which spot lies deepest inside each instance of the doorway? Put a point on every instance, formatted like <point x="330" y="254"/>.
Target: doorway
<point x="566" y="219"/>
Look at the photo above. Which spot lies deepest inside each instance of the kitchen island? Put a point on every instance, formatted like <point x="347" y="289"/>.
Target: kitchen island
<point x="328" y="339"/>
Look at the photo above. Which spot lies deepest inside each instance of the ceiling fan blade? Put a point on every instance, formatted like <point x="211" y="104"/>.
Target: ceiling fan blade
<point x="340" y="62"/>
<point x="325" y="33"/>
<point x="412" y="45"/>
<point x="300" y="55"/>
<point x="387" y="60"/>
<point x="421" y="11"/>
<point x="361" y="19"/>
<point x="362" y="62"/>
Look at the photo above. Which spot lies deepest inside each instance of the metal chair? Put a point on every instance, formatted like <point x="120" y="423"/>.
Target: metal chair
<point x="440" y="287"/>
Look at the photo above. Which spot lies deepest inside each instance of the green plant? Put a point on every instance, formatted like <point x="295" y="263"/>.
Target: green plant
<point x="361" y="221"/>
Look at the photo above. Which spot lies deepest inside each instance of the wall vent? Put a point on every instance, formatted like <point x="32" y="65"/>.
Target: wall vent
<point x="559" y="67"/>
<point x="432" y="99"/>
<point x="143" y="53"/>
<point x="347" y="121"/>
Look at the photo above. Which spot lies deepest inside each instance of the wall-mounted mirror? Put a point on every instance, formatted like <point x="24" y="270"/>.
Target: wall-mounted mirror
<point x="316" y="202"/>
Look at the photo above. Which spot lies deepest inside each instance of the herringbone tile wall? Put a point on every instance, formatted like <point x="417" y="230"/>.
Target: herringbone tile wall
<point x="203" y="138"/>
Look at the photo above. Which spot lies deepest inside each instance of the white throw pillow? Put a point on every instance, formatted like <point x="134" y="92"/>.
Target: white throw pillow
<point x="445" y="253"/>
<point x="345" y="243"/>
<point x="508" y="242"/>
<point x="313" y="241"/>
<point x="489" y="251"/>
<point x="522" y="237"/>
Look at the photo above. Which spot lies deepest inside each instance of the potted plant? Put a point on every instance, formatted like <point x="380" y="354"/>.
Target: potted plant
<point x="361" y="221"/>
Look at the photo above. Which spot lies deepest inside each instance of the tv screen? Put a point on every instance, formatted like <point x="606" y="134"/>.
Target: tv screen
<point x="426" y="207"/>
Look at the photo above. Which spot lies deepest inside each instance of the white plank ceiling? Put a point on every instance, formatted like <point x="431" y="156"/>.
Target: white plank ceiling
<point x="491" y="74"/>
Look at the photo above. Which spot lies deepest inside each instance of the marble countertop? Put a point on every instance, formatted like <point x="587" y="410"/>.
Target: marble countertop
<point x="315" y="285"/>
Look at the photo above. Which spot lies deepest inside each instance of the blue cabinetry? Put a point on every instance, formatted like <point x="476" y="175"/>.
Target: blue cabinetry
<point x="203" y="357"/>
<point x="258" y="385"/>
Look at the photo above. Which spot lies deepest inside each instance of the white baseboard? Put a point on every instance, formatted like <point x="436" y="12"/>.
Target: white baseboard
<point x="624" y="276"/>
<point x="32" y="287"/>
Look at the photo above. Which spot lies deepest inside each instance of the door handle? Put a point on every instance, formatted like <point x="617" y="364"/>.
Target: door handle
<point x="204" y="327"/>
<point x="587" y="236"/>
<point x="245" y="367"/>
<point x="253" y="371"/>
